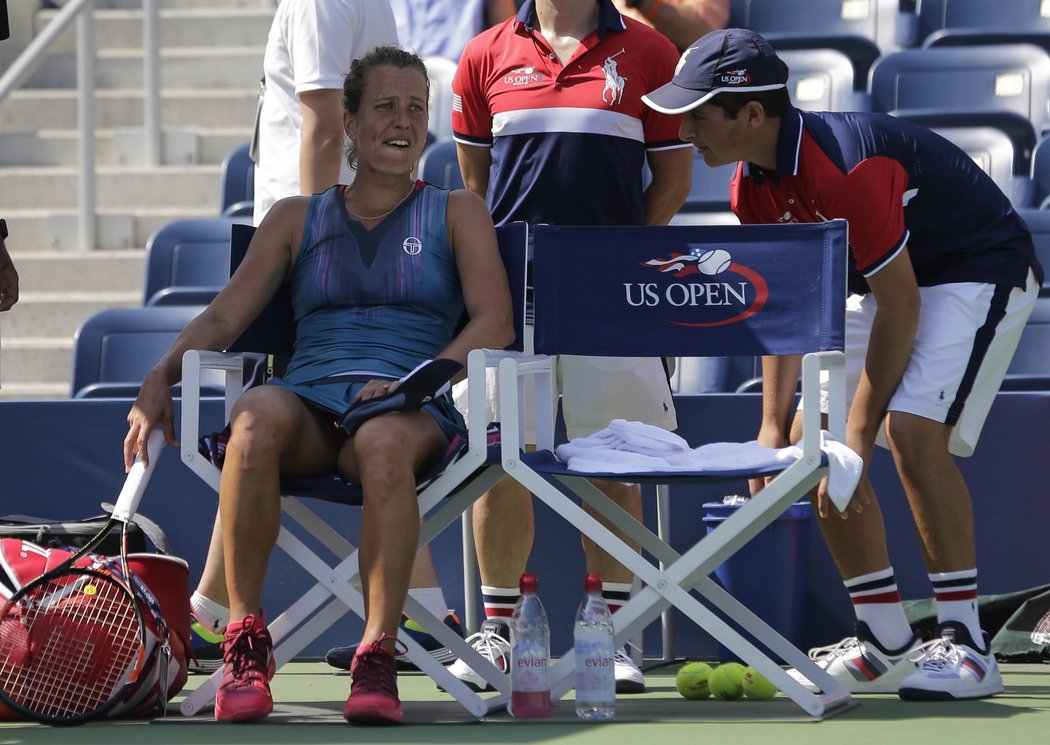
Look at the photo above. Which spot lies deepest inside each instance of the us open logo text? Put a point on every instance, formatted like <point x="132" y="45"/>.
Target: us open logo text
<point x="739" y="291"/>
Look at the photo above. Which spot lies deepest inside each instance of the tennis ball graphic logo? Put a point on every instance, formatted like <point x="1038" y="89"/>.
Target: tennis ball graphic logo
<point x="713" y="262"/>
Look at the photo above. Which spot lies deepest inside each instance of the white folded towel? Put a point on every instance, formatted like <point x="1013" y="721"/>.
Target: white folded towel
<point x="634" y="447"/>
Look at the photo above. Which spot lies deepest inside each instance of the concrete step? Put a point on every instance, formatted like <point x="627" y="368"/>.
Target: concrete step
<point x="180" y="67"/>
<point x="35" y="109"/>
<point x="60" y="147"/>
<point x="81" y="271"/>
<point x="33" y="391"/>
<point x="127" y="188"/>
<point x="129" y="4"/>
<point x="190" y="26"/>
<point x="56" y="316"/>
<point x="48" y="361"/>
<point x="37" y="230"/>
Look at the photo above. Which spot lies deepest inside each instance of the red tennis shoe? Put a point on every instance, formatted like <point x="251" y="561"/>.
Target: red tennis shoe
<point x="244" y="694"/>
<point x="373" y="690"/>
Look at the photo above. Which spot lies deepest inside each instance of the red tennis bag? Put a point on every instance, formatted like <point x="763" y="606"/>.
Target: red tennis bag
<point x="161" y="586"/>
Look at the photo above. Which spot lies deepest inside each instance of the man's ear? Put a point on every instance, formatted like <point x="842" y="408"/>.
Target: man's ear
<point x="349" y="125"/>
<point x="756" y="113"/>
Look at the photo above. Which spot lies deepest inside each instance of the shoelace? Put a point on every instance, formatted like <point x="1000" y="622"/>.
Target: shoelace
<point x="374" y="669"/>
<point x="832" y="651"/>
<point x="936" y="654"/>
<point x="490" y="645"/>
<point x="248" y="652"/>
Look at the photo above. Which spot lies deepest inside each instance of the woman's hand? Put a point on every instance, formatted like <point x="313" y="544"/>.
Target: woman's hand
<point x="377" y="388"/>
<point x="152" y="407"/>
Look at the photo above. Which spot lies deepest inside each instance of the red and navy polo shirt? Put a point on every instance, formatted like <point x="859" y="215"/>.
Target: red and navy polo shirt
<point x="568" y="142"/>
<point x="898" y="184"/>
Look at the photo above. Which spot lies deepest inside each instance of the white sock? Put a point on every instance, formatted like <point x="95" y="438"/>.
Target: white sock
<point x="212" y="616"/>
<point x="431" y="598"/>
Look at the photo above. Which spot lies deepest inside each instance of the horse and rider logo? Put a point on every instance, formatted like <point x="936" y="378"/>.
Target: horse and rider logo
<point x="612" y="93"/>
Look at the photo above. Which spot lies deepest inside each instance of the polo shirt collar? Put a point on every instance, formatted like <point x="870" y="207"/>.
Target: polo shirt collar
<point x="609" y="18"/>
<point x="789" y="143"/>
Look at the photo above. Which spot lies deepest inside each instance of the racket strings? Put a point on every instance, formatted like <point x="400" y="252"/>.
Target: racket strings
<point x="79" y="642"/>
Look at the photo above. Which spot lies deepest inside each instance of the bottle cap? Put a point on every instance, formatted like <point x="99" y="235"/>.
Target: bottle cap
<point x="592" y="582"/>
<point x="528" y="583"/>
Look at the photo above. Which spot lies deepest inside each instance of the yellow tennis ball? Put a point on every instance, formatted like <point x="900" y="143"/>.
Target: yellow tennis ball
<point x="691" y="680"/>
<point x="756" y="686"/>
<point x="727" y="681"/>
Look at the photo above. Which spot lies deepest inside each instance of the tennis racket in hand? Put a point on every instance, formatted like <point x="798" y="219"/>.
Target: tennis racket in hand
<point x="73" y="640"/>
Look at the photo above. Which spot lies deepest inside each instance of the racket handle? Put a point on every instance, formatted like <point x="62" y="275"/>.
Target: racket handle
<point x="135" y="484"/>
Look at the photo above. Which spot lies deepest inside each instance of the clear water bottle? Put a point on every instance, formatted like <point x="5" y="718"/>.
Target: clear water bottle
<point x="530" y="652"/>
<point x="593" y="638"/>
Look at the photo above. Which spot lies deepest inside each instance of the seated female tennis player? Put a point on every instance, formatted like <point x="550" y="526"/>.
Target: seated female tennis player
<point x="381" y="273"/>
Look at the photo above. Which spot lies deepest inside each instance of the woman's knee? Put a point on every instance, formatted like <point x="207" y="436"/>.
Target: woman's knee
<point x="385" y="455"/>
<point x="256" y="433"/>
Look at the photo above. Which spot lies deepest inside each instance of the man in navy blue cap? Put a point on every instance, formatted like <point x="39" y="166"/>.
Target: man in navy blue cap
<point x="943" y="277"/>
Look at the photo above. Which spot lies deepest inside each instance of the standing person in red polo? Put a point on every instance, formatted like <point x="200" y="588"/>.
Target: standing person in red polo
<point x="548" y="117"/>
<point x="943" y="278"/>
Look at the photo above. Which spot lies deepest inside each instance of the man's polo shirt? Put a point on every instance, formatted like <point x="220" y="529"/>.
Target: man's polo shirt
<point x="568" y="143"/>
<point x="897" y="184"/>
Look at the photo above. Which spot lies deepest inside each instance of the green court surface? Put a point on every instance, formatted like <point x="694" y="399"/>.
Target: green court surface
<point x="309" y="698"/>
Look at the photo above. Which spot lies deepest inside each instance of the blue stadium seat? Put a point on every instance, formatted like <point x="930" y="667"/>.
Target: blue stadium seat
<point x="237" y="183"/>
<point x="115" y="348"/>
<point x="1030" y="367"/>
<point x="861" y="29"/>
<point x="1041" y="174"/>
<point x="1038" y="222"/>
<point x="440" y="166"/>
<point x="993" y="151"/>
<point x="187" y="261"/>
<point x="968" y="22"/>
<point x="1005" y="86"/>
<point x="822" y="80"/>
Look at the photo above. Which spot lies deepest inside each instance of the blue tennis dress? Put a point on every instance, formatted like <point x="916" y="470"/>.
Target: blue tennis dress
<point x="372" y="303"/>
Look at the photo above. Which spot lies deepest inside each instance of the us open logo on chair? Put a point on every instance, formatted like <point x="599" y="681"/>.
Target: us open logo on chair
<point x="731" y="290"/>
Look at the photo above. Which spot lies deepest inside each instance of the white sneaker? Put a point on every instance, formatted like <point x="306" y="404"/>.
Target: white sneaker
<point x="950" y="667"/>
<point x="861" y="664"/>
<point x="629" y="678"/>
<point x="491" y="642"/>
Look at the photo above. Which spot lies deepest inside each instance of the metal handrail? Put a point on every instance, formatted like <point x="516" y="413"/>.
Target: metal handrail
<point x="35" y="51"/>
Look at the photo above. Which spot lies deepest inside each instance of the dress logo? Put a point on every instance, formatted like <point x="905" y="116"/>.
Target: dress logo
<point x="412" y="245"/>
<point x="614" y="81"/>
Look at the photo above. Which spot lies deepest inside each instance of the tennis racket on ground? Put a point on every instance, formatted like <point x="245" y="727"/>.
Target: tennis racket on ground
<point x="73" y="639"/>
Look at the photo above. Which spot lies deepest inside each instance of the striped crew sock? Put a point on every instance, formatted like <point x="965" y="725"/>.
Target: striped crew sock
<point x="956" y="596"/>
<point x="877" y="602"/>
<point x="616" y="594"/>
<point x="499" y="601"/>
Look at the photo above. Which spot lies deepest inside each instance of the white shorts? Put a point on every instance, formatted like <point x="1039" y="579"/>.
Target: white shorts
<point x="964" y="342"/>
<point x="594" y="391"/>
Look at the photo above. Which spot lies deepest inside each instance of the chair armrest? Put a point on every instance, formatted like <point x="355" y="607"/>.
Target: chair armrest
<point x="194" y="362"/>
<point x="513" y="372"/>
<point x="812" y="365"/>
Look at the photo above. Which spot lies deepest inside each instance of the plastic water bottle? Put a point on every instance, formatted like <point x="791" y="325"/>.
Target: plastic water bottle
<point x="530" y="652"/>
<point x="593" y="637"/>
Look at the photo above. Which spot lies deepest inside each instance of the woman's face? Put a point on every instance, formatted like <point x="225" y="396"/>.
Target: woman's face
<point x="390" y="126"/>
